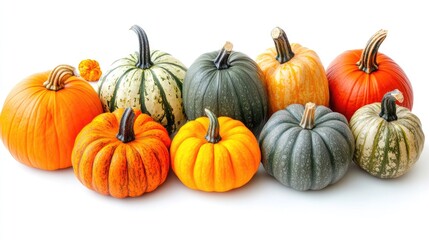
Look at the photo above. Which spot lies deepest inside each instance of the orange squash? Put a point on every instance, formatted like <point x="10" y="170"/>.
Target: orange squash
<point x="43" y="114"/>
<point x="90" y="70"/>
<point x="292" y="73"/>
<point x="122" y="154"/>
<point x="214" y="154"/>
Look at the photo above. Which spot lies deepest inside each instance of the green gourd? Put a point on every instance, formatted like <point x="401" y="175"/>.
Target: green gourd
<point x="307" y="147"/>
<point x="147" y="80"/>
<point x="229" y="83"/>
<point x="389" y="138"/>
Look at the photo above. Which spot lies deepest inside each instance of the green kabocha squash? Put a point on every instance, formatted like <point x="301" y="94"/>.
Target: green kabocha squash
<point x="389" y="138"/>
<point x="307" y="147"/>
<point x="148" y="80"/>
<point x="228" y="83"/>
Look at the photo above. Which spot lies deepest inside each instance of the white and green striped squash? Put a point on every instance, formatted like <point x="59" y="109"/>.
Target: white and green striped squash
<point x="389" y="138"/>
<point x="147" y="80"/>
<point x="306" y="148"/>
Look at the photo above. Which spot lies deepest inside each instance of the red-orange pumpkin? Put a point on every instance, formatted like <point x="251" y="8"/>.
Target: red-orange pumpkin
<point x="122" y="154"/>
<point x="360" y="77"/>
<point x="43" y="114"/>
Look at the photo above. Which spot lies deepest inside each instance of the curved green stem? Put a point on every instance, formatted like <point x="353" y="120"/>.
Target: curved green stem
<point x="126" y="126"/>
<point x="283" y="48"/>
<point x="144" y="60"/>
<point x="212" y="135"/>
<point x="368" y="59"/>
<point x="388" y="105"/>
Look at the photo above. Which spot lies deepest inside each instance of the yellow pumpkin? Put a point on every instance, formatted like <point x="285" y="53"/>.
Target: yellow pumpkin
<point x="292" y="74"/>
<point x="214" y="154"/>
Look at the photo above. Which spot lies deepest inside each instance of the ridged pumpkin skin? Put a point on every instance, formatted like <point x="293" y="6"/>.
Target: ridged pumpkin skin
<point x="298" y="78"/>
<point x="213" y="164"/>
<point x="233" y="89"/>
<point x="148" y="80"/>
<point x="306" y="158"/>
<point x="362" y="76"/>
<point x="39" y="125"/>
<point x="109" y="166"/>
<point x="386" y="149"/>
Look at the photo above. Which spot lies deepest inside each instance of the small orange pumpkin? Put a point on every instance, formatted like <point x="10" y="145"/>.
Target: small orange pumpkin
<point x="122" y="154"/>
<point x="293" y="74"/>
<point x="90" y="70"/>
<point x="43" y="114"/>
<point x="214" y="154"/>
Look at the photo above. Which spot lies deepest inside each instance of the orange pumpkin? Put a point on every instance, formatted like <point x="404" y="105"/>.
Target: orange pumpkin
<point x="362" y="76"/>
<point x="90" y="70"/>
<point x="293" y="74"/>
<point x="214" y="154"/>
<point x="122" y="154"/>
<point x="43" y="114"/>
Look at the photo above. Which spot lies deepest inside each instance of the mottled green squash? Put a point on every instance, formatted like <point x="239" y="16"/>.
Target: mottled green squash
<point x="147" y="80"/>
<point x="306" y="148"/>
<point x="389" y="138"/>
<point x="228" y="83"/>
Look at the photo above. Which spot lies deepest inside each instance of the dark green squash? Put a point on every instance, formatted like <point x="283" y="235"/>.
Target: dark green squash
<point x="306" y="148"/>
<point x="228" y="83"/>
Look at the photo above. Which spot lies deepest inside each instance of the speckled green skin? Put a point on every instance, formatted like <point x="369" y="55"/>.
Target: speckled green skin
<point x="386" y="149"/>
<point x="305" y="159"/>
<point x="236" y="91"/>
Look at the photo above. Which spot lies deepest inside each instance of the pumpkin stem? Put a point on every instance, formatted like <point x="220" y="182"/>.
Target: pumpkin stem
<point x="58" y="76"/>
<point x="307" y="120"/>
<point x="221" y="60"/>
<point x="144" y="60"/>
<point x="284" y="50"/>
<point x="388" y="105"/>
<point x="212" y="135"/>
<point x="368" y="59"/>
<point x="126" y="126"/>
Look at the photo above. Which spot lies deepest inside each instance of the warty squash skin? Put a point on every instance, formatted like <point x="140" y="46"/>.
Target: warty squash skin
<point x="306" y="148"/>
<point x="43" y="114"/>
<point x="214" y="154"/>
<point x="230" y="84"/>
<point x="292" y="74"/>
<point x="389" y="138"/>
<point x="122" y="154"/>
<point x="148" y="80"/>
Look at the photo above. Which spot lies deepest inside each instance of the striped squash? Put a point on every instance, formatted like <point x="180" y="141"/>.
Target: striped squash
<point x="307" y="147"/>
<point x="389" y="138"/>
<point x="148" y="80"/>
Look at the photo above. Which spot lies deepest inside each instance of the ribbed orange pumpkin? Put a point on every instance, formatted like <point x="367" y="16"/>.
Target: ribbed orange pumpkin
<point x="43" y="114"/>
<point x="214" y="154"/>
<point x="362" y="76"/>
<point x="122" y="154"/>
<point x="293" y="74"/>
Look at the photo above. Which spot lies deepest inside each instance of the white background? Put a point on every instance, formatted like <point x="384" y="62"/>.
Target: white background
<point x="38" y="35"/>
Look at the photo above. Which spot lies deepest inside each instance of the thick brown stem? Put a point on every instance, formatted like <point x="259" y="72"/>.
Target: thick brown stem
<point x="221" y="60"/>
<point x="284" y="50"/>
<point x="58" y="76"/>
<point x="144" y="60"/>
<point x="368" y="60"/>
<point x="307" y="120"/>
<point x="126" y="126"/>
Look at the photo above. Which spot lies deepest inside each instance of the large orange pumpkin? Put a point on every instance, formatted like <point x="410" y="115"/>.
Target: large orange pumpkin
<point x="43" y="114"/>
<point x="122" y="154"/>
<point x="360" y="77"/>
<point x="214" y="154"/>
<point x="293" y="74"/>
